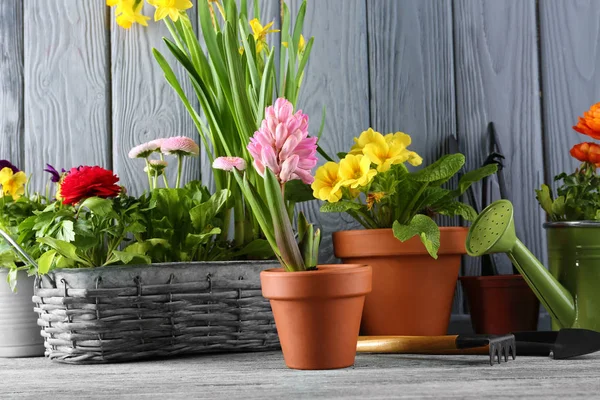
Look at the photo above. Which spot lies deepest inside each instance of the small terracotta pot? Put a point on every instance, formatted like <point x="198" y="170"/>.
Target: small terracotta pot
<point x="412" y="292"/>
<point x="501" y="304"/>
<point x="317" y="313"/>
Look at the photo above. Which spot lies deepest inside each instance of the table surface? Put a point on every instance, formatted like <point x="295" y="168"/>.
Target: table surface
<point x="264" y="376"/>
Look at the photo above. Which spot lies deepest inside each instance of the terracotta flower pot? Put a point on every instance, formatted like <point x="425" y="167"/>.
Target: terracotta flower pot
<point x="501" y="304"/>
<point x="317" y="313"/>
<point x="412" y="292"/>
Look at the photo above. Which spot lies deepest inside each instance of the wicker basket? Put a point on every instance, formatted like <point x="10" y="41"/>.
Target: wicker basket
<point x="125" y="313"/>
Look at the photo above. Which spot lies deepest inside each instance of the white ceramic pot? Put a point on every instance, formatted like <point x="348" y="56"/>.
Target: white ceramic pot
<point x="19" y="333"/>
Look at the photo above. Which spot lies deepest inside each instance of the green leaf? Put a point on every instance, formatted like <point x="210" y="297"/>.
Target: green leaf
<point x="284" y="234"/>
<point x="258" y="249"/>
<point x="45" y="262"/>
<point x="558" y="207"/>
<point x="425" y="228"/>
<point x="66" y="231"/>
<point x="340" y="206"/>
<point x="440" y="171"/>
<point x="298" y="191"/>
<point x="456" y="208"/>
<point x="202" y="214"/>
<point x="474" y="176"/>
<point x="131" y="258"/>
<point x="65" y="249"/>
<point x="544" y="197"/>
<point x="98" y="206"/>
<point x="11" y="279"/>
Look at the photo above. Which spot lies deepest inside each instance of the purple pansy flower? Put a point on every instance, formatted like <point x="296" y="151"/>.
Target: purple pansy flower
<point x="55" y="175"/>
<point x="8" y="164"/>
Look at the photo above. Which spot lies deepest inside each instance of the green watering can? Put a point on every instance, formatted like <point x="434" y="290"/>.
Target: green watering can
<point x="570" y="291"/>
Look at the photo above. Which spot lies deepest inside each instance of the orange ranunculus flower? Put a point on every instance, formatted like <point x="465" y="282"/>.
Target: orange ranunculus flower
<point x="587" y="152"/>
<point x="589" y="124"/>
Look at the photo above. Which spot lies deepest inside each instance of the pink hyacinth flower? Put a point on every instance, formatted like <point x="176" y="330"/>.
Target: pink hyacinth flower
<point x="229" y="163"/>
<point x="179" y="145"/>
<point x="282" y="144"/>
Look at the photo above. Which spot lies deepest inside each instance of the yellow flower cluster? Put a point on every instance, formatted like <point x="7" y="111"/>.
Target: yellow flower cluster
<point x="355" y="171"/>
<point x="129" y="12"/>
<point x="12" y="183"/>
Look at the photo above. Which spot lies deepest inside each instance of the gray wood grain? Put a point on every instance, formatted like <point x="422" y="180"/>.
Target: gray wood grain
<point x="497" y="80"/>
<point x="66" y="86"/>
<point x="336" y="77"/>
<point x="11" y="76"/>
<point x="411" y="71"/>
<point x="264" y="376"/>
<point x="144" y="106"/>
<point x="570" y="66"/>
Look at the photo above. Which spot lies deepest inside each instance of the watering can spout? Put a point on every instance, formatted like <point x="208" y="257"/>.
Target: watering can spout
<point x="494" y="232"/>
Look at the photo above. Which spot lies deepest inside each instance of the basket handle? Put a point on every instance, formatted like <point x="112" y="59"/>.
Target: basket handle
<point x="20" y="251"/>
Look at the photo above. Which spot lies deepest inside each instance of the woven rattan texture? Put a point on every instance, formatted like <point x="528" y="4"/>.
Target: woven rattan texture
<point x="126" y="313"/>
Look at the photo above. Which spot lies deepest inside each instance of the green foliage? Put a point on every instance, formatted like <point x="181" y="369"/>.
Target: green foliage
<point x="578" y="198"/>
<point x="407" y="201"/>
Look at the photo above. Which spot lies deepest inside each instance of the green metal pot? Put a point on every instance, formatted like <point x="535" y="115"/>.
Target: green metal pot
<point x="574" y="260"/>
<point x="570" y="289"/>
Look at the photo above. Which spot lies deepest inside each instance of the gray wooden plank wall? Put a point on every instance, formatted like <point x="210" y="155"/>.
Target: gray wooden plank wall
<point x="78" y="89"/>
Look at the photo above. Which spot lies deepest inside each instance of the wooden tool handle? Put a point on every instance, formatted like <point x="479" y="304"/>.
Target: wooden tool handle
<point x="414" y="345"/>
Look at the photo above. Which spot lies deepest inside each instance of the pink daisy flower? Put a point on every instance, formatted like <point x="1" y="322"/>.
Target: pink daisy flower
<point x="229" y="163"/>
<point x="143" y="150"/>
<point x="179" y="145"/>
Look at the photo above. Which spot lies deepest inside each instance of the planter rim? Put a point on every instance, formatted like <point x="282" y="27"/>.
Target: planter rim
<point x="328" y="281"/>
<point x="382" y="243"/>
<point x="572" y="224"/>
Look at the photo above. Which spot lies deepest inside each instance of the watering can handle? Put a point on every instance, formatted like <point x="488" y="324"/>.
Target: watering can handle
<point x="25" y="257"/>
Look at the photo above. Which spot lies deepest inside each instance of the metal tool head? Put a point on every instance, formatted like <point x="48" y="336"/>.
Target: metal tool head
<point x="566" y="343"/>
<point x="499" y="346"/>
<point x="493" y="231"/>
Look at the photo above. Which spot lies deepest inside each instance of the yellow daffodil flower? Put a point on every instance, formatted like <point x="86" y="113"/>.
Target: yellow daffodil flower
<point x="260" y="33"/>
<point x="301" y="44"/>
<point x="355" y="171"/>
<point x="12" y="184"/>
<point x="327" y="186"/>
<point x="365" y="138"/>
<point x="171" y="8"/>
<point x="389" y="150"/>
<point x="130" y="12"/>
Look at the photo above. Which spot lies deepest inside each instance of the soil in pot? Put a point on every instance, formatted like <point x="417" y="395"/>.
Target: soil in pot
<point x="318" y="313"/>
<point x="19" y="333"/>
<point x="501" y="304"/>
<point x="412" y="292"/>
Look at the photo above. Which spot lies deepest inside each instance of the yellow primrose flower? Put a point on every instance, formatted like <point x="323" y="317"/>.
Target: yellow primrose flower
<point x="13" y="184"/>
<point x="373" y="198"/>
<point x="414" y="159"/>
<point x="355" y="171"/>
<point x="130" y="13"/>
<point x="365" y="138"/>
<point x="172" y="8"/>
<point x="260" y="33"/>
<point x="326" y="185"/>
<point x="389" y="150"/>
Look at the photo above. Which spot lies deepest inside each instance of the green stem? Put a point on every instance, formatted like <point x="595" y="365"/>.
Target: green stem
<point x="179" y="169"/>
<point x="148" y="173"/>
<point x="162" y="158"/>
<point x="408" y="211"/>
<point x="239" y="218"/>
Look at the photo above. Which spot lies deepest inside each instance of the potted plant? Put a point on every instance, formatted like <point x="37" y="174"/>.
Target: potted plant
<point x="317" y="308"/>
<point x="574" y="219"/>
<point x="415" y="263"/>
<point x="498" y="303"/>
<point x="19" y="334"/>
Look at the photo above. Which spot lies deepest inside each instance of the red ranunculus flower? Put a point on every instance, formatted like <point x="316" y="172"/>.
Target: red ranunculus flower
<point x="83" y="182"/>
<point x="587" y="152"/>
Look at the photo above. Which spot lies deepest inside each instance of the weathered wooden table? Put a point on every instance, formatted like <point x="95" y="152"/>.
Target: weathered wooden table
<point x="263" y="375"/>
